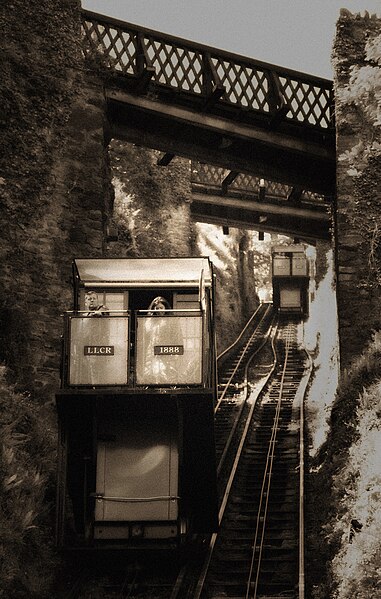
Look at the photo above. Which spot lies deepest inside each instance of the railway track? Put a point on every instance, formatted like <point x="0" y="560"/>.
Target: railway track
<point x="258" y="551"/>
<point x="154" y="577"/>
<point x="233" y="386"/>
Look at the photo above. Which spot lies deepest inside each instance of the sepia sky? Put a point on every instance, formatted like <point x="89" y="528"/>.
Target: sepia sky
<point x="297" y="34"/>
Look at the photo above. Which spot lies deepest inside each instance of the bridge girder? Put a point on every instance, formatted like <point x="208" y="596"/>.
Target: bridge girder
<point x="309" y="225"/>
<point x="229" y="144"/>
<point x="239" y="148"/>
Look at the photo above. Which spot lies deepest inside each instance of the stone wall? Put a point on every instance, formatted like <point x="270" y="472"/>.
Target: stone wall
<point x="55" y="182"/>
<point x="356" y="59"/>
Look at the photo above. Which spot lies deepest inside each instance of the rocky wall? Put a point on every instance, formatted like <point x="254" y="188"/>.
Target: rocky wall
<point x="54" y="182"/>
<point x="357" y="84"/>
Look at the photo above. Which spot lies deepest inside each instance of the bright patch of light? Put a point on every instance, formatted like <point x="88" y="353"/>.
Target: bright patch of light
<point x="140" y="462"/>
<point x="213" y="243"/>
<point x="322" y="341"/>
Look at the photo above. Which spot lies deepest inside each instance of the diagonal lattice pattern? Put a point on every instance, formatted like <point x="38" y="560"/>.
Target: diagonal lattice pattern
<point x="306" y="102"/>
<point x="245" y="86"/>
<point x="176" y="67"/>
<point x="116" y="47"/>
<point x="189" y="68"/>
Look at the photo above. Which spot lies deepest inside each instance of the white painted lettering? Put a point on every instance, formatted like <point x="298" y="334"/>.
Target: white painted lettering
<point x="98" y="350"/>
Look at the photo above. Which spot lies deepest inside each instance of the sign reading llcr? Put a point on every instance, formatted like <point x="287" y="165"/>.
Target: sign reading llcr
<point x="98" y="350"/>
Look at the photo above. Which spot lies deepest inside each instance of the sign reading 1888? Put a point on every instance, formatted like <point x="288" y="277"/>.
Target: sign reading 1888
<point x="168" y="350"/>
<point x="98" y="350"/>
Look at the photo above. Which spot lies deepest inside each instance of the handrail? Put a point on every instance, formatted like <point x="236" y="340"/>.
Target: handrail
<point x="84" y="312"/>
<point x="118" y="23"/>
<point x="140" y="311"/>
<point x="171" y="311"/>
<point x="216" y="76"/>
<point x="301" y="394"/>
<point x="212" y="178"/>
<point x="235" y="343"/>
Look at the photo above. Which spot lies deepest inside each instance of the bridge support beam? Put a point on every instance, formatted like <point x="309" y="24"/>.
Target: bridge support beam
<point x="260" y="215"/>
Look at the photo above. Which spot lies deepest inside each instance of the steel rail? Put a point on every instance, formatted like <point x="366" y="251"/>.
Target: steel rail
<point x="266" y="485"/>
<point x="301" y="393"/>
<point x="197" y="591"/>
<point x="201" y="580"/>
<point x="231" y="347"/>
<point x="222" y="396"/>
<point x="246" y="395"/>
<point x="272" y="329"/>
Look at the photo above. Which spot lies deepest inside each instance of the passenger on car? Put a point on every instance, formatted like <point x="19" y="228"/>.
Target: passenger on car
<point x="93" y="306"/>
<point x="158" y="306"/>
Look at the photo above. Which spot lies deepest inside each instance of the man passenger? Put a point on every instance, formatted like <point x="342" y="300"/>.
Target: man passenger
<point x="93" y="306"/>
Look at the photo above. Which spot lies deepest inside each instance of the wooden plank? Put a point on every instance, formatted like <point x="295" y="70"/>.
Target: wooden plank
<point x="165" y="159"/>
<point x="192" y="142"/>
<point x="263" y="207"/>
<point x="144" y="79"/>
<point x="315" y="179"/>
<point x="307" y="231"/>
<point x="295" y="195"/>
<point x="228" y="181"/>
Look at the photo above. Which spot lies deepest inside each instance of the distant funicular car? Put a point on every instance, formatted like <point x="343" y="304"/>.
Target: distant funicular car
<point x="135" y="409"/>
<point x="290" y="279"/>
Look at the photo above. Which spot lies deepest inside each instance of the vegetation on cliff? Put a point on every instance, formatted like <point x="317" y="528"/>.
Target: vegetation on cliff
<point x="27" y="464"/>
<point x="35" y="96"/>
<point x="39" y="46"/>
<point x="151" y="208"/>
<point x="345" y="484"/>
<point x="358" y="106"/>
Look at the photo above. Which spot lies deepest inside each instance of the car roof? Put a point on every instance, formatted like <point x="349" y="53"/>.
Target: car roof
<point x="143" y="272"/>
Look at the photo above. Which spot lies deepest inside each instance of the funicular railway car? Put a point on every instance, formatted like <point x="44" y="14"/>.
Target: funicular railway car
<point x="135" y="408"/>
<point x="290" y="279"/>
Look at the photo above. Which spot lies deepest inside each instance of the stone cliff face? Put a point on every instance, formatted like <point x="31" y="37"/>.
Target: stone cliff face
<point x="54" y="181"/>
<point x="357" y="84"/>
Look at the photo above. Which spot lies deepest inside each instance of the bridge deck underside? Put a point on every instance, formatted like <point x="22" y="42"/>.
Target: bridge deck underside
<point x="226" y="143"/>
<point x="212" y="141"/>
<point x="270" y="215"/>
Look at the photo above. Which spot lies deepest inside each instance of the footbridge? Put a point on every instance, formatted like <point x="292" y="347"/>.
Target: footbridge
<point x="261" y="138"/>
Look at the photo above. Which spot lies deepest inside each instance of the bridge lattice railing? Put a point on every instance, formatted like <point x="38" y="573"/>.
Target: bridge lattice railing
<point x="205" y="72"/>
<point x="213" y="177"/>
